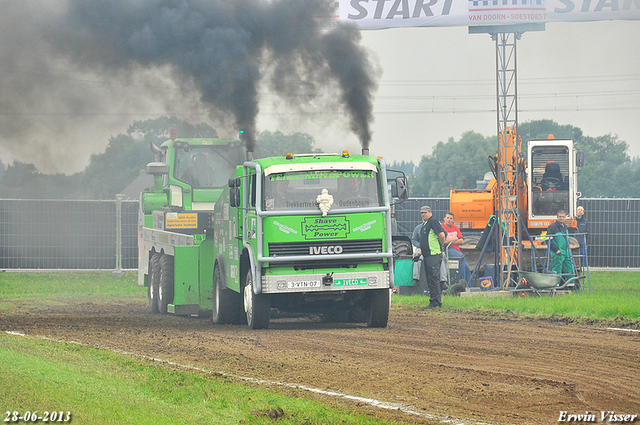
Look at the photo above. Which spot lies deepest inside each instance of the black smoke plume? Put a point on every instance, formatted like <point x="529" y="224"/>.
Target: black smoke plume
<point x="221" y="49"/>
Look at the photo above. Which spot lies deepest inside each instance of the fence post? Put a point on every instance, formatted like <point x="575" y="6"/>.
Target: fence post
<point x="118" y="271"/>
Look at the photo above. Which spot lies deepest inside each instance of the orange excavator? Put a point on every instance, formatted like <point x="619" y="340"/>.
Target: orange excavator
<point x="547" y="183"/>
<point x="521" y="194"/>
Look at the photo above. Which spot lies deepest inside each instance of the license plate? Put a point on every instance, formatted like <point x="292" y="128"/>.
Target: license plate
<point x="304" y="284"/>
<point x="350" y="282"/>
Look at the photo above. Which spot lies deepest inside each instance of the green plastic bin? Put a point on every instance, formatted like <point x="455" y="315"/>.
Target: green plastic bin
<point x="403" y="271"/>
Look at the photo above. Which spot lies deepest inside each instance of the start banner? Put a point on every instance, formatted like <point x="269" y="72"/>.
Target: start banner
<point x="379" y="14"/>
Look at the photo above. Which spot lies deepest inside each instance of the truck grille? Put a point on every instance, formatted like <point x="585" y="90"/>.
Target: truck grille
<point x="317" y="248"/>
<point x="305" y="248"/>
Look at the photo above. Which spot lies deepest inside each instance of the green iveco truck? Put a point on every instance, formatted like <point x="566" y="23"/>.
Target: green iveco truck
<point x="299" y="233"/>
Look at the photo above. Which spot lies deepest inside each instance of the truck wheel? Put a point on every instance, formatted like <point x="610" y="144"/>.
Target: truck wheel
<point x="378" y="316"/>
<point x="227" y="304"/>
<point x="154" y="278"/>
<point x="256" y="307"/>
<point x="165" y="283"/>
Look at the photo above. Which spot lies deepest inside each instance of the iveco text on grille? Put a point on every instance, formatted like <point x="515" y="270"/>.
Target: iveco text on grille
<point x="327" y="249"/>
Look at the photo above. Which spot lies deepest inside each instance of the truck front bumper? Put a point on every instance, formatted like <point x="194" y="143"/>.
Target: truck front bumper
<point x="280" y="284"/>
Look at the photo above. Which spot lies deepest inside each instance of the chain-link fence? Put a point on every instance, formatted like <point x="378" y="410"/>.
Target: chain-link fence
<point x="614" y="227"/>
<point x="42" y="234"/>
<point x="48" y="234"/>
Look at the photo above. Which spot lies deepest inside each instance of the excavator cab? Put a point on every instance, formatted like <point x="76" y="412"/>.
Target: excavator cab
<point x="552" y="180"/>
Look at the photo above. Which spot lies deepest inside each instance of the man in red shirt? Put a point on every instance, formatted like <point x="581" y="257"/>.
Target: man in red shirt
<point x="453" y="236"/>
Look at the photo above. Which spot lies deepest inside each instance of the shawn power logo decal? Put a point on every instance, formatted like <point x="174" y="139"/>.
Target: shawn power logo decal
<point x="334" y="227"/>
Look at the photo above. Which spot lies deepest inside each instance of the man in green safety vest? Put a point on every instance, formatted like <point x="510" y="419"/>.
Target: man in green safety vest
<point x="561" y="259"/>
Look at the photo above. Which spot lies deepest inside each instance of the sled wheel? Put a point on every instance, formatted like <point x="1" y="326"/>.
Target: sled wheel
<point x="165" y="283"/>
<point x="153" y="278"/>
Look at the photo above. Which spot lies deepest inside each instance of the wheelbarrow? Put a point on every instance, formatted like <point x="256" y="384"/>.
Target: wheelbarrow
<point x="546" y="282"/>
<point x="541" y="281"/>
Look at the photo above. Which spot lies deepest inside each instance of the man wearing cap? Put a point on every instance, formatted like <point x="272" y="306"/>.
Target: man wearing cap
<point x="431" y="238"/>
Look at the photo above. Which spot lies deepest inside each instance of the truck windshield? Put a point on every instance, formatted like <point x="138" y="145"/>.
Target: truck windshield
<point x="205" y="166"/>
<point x="299" y="190"/>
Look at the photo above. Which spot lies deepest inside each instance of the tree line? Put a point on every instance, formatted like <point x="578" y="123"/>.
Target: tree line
<point x="608" y="169"/>
<point x="125" y="156"/>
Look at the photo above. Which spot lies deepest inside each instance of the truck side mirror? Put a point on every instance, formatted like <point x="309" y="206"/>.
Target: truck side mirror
<point x="579" y="159"/>
<point x="400" y="188"/>
<point x="234" y="192"/>
<point x="234" y="197"/>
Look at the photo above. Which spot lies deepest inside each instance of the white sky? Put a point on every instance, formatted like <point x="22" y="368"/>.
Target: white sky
<point x="439" y="82"/>
<point x="436" y="83"/>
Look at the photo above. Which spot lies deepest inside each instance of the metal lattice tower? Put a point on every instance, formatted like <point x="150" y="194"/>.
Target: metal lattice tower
<point x="508" y="151"/>
<point x="509" y="163"/>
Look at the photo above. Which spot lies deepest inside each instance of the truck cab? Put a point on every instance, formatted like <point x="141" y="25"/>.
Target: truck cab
<point x="190" y="176"/>
<point x="316" y="236"/>
<point x="200" y="170"/>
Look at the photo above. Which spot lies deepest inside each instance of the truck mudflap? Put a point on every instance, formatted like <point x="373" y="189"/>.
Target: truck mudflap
<point x="281" y="284"/>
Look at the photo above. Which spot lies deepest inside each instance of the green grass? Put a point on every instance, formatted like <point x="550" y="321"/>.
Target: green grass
<point x="37" y="290"/>
<point x="613" y="295"/>
<point x="95" y="284"/>
<point x="102" y="387"/>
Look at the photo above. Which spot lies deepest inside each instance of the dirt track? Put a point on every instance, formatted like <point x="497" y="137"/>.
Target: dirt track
<point x="497" y="369"/>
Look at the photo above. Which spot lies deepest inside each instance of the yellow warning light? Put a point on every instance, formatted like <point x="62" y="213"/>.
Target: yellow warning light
<point x="345" y="154"/>
<point x="289" y="155"/>
<point x="551" y="136"/>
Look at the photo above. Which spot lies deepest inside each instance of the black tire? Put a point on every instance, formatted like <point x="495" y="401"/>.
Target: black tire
<point x="378" y="316"/>
<point x="472" y="240"/>
<point x="456" y="289"/>
<point x="153" y="279"/>
<point x="226" y="304"/>
<point x="257" y="307"/>
<point x="165" y="283"/>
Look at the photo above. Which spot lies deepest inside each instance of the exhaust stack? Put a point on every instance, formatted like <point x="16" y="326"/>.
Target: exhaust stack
<point x="156" y="151"/>
<point x="365" y="151"/>
<point x="250" y="156"/>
